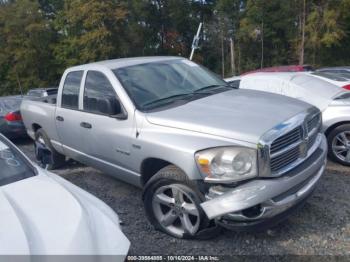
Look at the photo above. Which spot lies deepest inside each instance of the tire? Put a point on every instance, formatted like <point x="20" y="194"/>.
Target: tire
<point x="339" y="144"/>
<point x="58" y="159"/>
<point x="169" y="196"/>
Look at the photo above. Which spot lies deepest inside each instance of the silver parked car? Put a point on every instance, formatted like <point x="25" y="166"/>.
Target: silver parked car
<point x="202" y="151"/>
<point x="318" y="90"/>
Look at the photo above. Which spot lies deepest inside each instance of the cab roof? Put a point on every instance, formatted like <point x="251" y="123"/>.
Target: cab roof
<point x="125" y="62"/>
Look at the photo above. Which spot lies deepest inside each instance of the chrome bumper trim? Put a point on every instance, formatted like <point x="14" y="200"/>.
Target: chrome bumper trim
<point x="262" y="191"/>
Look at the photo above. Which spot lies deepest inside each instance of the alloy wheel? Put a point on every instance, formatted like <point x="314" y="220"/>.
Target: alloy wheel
<point x="176" y="210"/>
<point x="341" y="146"/>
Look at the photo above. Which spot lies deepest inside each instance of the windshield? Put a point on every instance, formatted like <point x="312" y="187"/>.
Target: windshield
<point x="12" y="164"/>
<point x="331" y="76"/>
<point x="167" y="81"/>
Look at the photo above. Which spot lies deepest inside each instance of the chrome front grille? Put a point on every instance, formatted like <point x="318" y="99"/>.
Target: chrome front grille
<point x="284" y="159"/>
<point x="313" y="122"/>
<point x="311" y="140"/>
<point x="294" y="145"/>
<point x="286" y="140"/>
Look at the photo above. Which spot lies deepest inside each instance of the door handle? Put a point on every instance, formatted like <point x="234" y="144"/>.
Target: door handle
<point x="85" y="125"/>
<point x="59" y="118"/>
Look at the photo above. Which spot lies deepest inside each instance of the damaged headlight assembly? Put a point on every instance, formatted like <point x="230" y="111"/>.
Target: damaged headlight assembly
<point x="227" y="164"/>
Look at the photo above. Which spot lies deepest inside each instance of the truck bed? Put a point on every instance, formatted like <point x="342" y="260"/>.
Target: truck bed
<point x="39" y="113"/>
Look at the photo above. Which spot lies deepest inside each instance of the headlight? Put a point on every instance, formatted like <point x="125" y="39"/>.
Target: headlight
<point x="227" y="164"/>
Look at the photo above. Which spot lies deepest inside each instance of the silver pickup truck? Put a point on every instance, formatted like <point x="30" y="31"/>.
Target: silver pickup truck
<point x="205" y="154"/>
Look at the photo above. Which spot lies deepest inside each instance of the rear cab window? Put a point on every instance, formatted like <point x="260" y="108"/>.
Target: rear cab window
<point x="14" y="167"/>
<point x="99" y="95"/>
<point x="70" y="92"/>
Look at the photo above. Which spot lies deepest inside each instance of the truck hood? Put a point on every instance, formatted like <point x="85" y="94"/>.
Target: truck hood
<point x="236" y="114"/>
<point x="40" y="216"/>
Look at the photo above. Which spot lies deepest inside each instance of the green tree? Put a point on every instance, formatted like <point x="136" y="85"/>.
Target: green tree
<point x="25" y="56"/>
<point x="89" y="31"/>
<point x="323" y="28"/>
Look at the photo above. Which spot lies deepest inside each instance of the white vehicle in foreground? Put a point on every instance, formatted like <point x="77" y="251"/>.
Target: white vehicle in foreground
<point x="43" y="214"/>
<point x="331" y="99"/>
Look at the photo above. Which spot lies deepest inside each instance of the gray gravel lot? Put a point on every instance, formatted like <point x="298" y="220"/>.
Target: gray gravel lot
<point x="321" y="227"/>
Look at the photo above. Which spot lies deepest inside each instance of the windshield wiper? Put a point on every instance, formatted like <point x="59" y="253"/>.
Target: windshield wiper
<point x="212" y="88"/>
<point x="166" y="100"/>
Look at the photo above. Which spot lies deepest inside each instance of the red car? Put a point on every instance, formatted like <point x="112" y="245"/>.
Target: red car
<point x="289" y="68"/>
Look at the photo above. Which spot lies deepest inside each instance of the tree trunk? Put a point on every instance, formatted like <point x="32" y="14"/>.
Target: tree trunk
<point x="232" y="51"/>
<point x="302" y="44"/>
<point x="262" y="44"/>
<point x="222" y="54"/>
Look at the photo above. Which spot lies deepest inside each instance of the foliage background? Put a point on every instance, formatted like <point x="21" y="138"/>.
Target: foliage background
<point x="40" y="38"/>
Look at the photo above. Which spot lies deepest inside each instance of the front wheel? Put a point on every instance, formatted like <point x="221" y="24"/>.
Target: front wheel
<point x="172" y="204"/>
<point x="339" y="144"/>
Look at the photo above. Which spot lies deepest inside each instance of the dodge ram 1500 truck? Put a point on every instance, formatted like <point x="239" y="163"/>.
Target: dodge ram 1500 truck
<point x="205" y="154"/>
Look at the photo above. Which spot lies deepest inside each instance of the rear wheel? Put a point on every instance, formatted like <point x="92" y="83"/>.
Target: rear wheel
<point x="57" y="158"/>
<point x="339" y="144"/>
<point x="172" y="204"/>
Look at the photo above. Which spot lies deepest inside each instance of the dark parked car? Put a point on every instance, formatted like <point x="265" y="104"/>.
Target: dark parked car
<point x="11" y="124"/>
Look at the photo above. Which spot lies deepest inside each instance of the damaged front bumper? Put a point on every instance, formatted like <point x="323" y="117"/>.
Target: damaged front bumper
<point x="261" y="200"/>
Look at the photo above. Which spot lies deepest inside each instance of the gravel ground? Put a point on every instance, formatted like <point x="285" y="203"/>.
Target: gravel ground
<point x="321" y="227"/>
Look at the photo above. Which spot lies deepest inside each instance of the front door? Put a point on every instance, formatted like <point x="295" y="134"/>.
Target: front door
<point x="108" y="139"/>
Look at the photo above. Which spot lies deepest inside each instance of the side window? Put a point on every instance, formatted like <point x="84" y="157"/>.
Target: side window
<point x="99" y="95"/>
<point x="71" y="87"/>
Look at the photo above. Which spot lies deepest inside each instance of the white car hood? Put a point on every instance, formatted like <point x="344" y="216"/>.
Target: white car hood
<point x="302" y="86"/>
<point x="40" y="215"/>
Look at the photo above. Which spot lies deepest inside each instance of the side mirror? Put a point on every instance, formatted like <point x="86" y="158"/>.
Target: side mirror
<point x="43" y="155"/>
<point x="235" y="84"/>
<point x="113" y="108"/>
<point x="117" y="108"/>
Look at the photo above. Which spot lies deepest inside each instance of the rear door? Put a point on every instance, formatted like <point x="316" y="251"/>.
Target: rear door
<point x="107" y="138"/>
<point x="68" y="116"/>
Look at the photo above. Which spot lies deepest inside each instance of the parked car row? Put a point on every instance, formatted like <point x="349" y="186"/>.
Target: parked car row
<point x="205" y="153"/>
<point x="328" y="91"/>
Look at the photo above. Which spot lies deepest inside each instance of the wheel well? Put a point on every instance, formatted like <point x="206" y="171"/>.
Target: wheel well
<point x="329" y="129"/>
<point x="150" y="167"/>
<point x="35" y="127"/>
